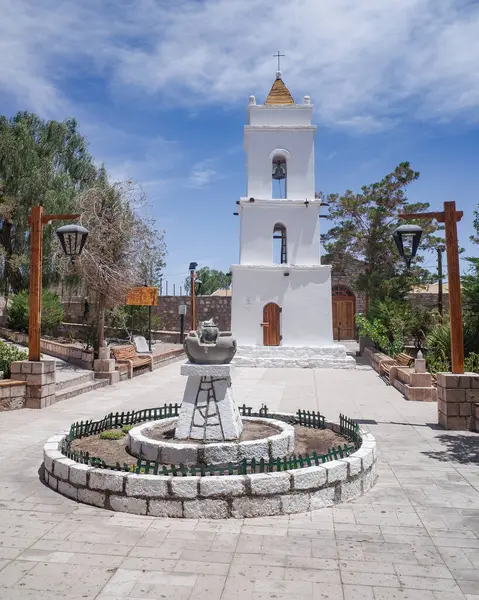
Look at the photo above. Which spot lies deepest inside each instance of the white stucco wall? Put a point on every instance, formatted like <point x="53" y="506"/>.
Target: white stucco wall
<point x="289" y="116"/>
<point x="304" y="296"/>
<point x="302" y="231"/>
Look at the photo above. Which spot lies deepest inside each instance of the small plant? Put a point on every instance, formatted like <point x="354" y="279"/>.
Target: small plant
<point x="471" y="363"/>
<point x="9" y="354"/>
<point x="112" y="434"/>
<point x="52" y="312"/>
<point x="126" y="428"/>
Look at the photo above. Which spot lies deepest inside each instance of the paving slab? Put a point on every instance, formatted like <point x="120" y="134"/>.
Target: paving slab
<point x="415" y="535"/>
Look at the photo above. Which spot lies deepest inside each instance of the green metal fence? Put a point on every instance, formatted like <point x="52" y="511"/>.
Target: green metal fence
<point x="313" y="419"/>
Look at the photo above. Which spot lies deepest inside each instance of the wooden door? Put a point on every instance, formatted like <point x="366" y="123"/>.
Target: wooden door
<point x="343" y="318"/>
<point x="271" y="324"/>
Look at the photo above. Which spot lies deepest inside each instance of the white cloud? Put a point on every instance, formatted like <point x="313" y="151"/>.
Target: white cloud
<point x="366" y="64"/>
<point x="202" y="174"/>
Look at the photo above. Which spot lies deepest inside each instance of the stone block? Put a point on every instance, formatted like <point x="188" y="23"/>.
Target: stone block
<point x="351" y="489"/>
<point x="52" y="482"/>
<point x="474" y="381"/>
<point x="67" y="489"/>
<point x="472" y="396"/>
<point x="205" y="509"/>
<point x="465" y="409"/>
<point x="150" y="451"/>
<point x="106" y="480"/>
<point x="336" y="470"/>
<point x="354" y="465"/>
<point x="165" y="508"/>
<point x="255" y="507"/>
<point x="16" y="367"/>
<point x="452" y="408"/>
<point x="152" y="486"/>
<point x="442" y="420"/>
<point x="309" y="478"/>
<point x="49" y="457"/>
<point x="5" y="391"/>
<point x="459" y="423"/>
<point x="449" y="380"/>
<point x="195" y="370"/>
<point x="184" y="487"/>
<point x="78" y="474"/>
<point x="91" y="497"/>
<point x="224" y="486"/>
<point x="270" y="483"/>
<point x="136" y="506"/>
<point x="323" y="498"/>
<point x="61" y="468"/>
<point x="455" y="395"/>
<point x="179" y="453"/>
<point x="279" y="444"/>
<point x="254" y="449"/>
<point x="221" y="453"/>
<point x="104" y="365"/>
<point x="295" y="503"/>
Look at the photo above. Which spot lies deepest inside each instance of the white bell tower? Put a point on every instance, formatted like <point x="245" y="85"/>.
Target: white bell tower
<point x="281" y="294"/>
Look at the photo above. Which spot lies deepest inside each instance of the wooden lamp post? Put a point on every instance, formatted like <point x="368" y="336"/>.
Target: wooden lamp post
<point x="450" y="217"/>
<point x="72" y="239"/>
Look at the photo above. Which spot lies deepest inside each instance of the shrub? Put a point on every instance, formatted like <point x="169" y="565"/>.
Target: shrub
<point x="112" y="434"/>
<point x="126" y="428"/>
<point x="9" y="354"/>
<point x="52" y="312"/>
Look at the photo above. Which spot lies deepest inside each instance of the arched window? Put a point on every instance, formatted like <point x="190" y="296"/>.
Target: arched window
<point x="279" y="176"/>
<point x="280" y="256"/>
<point x="341" y="291"/>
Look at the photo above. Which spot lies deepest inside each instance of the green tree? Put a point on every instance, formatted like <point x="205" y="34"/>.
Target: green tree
<point x="211" y="280"/>
<point x="41" y="162"/>
<point x="362" y="229"/>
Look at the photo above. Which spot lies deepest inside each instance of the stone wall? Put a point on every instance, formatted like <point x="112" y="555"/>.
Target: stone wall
<point x="12" y="394"/>
<point x="457" y="400"/>
<point x="429" y="300"/>
<point x="218" y="307"/>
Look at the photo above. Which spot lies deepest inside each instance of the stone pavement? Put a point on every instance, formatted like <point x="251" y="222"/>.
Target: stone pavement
<point x="414" y="536"/>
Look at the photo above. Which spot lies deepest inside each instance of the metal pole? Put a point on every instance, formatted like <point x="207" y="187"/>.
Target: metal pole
<point x="440" y="309"/>
<point x="35" y="302"/>
<point x="193" y="300"/>
<point x="149" y="328"/>
<point x="182" y="328"/>
<point x="174" y="289"/>
<point x="166" y="288"/>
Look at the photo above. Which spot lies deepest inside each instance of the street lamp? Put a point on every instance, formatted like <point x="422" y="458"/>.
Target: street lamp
<point x="72" y="241"/>
<point x="450" y="217"/>
<point x="192" y="269"/>
<point x="407" y="238"/>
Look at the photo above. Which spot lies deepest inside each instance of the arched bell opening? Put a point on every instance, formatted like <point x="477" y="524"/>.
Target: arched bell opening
<point x="280" y="250"/>
<point x="279" y="177"/>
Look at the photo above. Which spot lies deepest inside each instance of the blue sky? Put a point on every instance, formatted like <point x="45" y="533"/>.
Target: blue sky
<point x="160" y="90"/>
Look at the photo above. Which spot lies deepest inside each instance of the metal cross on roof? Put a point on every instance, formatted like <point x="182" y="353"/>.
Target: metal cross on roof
<point x="278" y="56"/>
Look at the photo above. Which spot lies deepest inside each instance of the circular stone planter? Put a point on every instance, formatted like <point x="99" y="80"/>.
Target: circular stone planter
<point x="214" y="497"/>
<point x="173" y="453"/>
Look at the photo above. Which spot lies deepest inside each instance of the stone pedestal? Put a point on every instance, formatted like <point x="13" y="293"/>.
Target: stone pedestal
<point x="104" y="366"/>
<point x="40" y="379"/>
<point x="208" y="411"/>
<point x="457" y="399"/>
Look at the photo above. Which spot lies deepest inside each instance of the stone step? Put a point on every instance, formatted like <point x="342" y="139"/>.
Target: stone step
<point x="82" y="388"/>
<point x="72" y="381"/>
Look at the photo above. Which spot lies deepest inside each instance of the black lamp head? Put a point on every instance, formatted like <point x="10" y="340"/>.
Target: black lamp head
<point x="72" y="239"/>
<point x="407" y="238"/>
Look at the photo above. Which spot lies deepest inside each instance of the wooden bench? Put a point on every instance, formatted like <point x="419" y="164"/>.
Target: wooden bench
<point x="401" y="360"/>
<point x="129" y="356"/>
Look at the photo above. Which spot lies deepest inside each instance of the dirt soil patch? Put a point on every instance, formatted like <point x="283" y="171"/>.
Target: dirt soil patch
<point x="251" y="431"/>
<point x="307" y="440"/>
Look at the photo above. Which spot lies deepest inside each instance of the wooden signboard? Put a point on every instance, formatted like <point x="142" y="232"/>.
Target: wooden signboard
<point x="142" y="296"/>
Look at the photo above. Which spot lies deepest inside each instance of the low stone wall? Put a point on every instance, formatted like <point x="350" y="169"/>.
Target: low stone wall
<point x="412" y="385"/>
<point x="213" y="497"/>
<point x="377" y="358"/>
<point x="458" y="401"/>
<point x="12" y="394"/>
<point x="66" y="352"/>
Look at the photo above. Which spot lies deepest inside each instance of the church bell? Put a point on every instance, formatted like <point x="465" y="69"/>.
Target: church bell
<point x="279" y="171"/>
